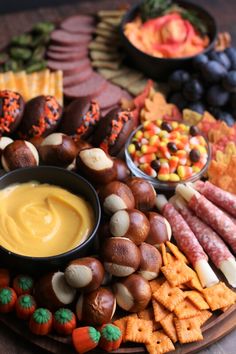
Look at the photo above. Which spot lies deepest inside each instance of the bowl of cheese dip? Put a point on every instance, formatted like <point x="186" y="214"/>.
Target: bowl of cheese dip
<point x="48" y="216"/>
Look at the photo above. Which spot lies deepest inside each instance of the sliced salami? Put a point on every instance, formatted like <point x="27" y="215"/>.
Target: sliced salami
<point x="79" y="28"/>
<point x="210" y="241"/>
<point x="215" y="218"/>
<point x="65" y="38"/>
<point x="88" y="88"/>
<point x="67" y="56"/>
<point x="183" y="235"/>
<point x="110" y="96"/>
<point x="71" y="23"/>
<point x="76" y="79"/>
<point x="68" y="48"/>
<point x="218" y="196"/>
<point x="69" y="67"/>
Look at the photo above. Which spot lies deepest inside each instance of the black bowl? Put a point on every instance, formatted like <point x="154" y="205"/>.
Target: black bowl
<point x="160" y="68"/>
<point x="67" y="180"/>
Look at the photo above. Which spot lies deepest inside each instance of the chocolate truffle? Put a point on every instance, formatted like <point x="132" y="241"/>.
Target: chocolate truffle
<point x="41" y="117"/>
<point x="113" y="130"/>
<point x="11" y="111"/>
<point x="80" y="118"/>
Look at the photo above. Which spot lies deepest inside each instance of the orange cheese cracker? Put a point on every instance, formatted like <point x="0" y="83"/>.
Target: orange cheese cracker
<point x="159" y="310"/>
<point x="148" y="314"/>
<point x="170" y="258"/>
<point x="122" y="322"/>
<point x="176" y="252"/>
<point x="203" y="316"/>
<point x="194" y="283"/>
<point x="169" y="327"/>
<point x="169" y="296"/>
<point x="164" y="254"/>
<point x="177" y="273"/>
<point x="218" y="296"/>
<point x="159" y="344"/>
<point x="197" y="299"/>
<point x="138" y="330"/>
<point x="155" y="284"/>
<point x="186" y="309"/>
<point x="188" y="330"/>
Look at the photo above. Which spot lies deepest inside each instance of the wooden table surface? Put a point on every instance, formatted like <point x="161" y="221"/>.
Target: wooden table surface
<point x="11" y="24"/>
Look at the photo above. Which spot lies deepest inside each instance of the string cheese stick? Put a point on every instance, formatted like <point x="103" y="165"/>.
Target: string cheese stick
<point x="210" y="214"/>
<point x="187" y="242"/>
<point x="209" y="240"/>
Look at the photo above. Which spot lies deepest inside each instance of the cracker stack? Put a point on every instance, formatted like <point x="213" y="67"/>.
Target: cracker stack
<point x="107" y="57"/>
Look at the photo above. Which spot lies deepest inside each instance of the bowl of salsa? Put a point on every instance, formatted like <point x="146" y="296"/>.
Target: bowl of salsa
<point x="158" y="42"/>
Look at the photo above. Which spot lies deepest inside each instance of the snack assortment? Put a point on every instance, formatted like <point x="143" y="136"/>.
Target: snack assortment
<point x="137" y="286"/>
<point x="168" y="151"/>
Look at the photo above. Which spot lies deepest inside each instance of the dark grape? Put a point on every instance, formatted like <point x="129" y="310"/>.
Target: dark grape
<point x="229" y="81"/>
<point x="193" y="90"/>
<point x="197" y="107"/>
<point x="231" y="54"/>
<point x="233" y="112"/>
<point x="215" y="111"/>
<point x="227" y="118"/>
<point x="217" y="96"/>
<point x="177" y="79"/>
<point x="221" y="58"/>
<point x="213" y="71"/>
<point x="199" y="61"/>
<point x="178" y="99"/>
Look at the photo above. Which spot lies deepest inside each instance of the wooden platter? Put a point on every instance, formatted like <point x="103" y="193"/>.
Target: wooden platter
<point x="218" y="326"/>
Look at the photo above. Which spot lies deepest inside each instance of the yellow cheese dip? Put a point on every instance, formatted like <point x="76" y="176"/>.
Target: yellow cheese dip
<point x="42" y="220"/>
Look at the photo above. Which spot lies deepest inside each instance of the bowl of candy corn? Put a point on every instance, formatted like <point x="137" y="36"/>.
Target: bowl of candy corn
<point x="167" y="153"/>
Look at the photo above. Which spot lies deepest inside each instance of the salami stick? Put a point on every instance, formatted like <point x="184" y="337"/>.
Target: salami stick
<point x="210" y="213"/>
<point x="209" y="240"/>
<point x="218" y="196"/>
<point x="187" y="242"/>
